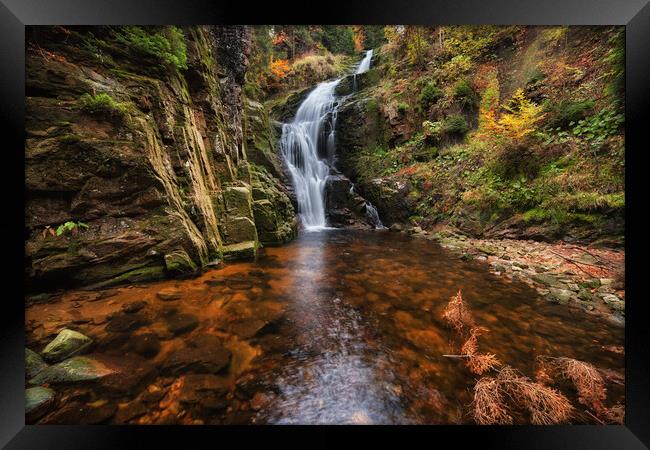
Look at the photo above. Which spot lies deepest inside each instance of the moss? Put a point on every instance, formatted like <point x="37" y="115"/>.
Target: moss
<point x="372" y="106"/>
<point x="538" y="215"/>
<point x="69" y="139"/>
<point x="102" y="104"/>
<point x="167" y="44"/>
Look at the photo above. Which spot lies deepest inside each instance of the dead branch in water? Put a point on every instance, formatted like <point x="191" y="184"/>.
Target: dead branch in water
<point x="478" y="363"/>
<point x="458" y="314"/>
<point x="586" y="378"/>
<point x="495" y="396"/>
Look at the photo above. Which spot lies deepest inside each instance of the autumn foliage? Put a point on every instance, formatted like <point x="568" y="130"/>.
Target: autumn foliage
<point x="458" y="314"/>
<point x="280" y="68"/>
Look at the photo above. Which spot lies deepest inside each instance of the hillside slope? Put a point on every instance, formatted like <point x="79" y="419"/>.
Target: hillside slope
<point x="508" y="132"/>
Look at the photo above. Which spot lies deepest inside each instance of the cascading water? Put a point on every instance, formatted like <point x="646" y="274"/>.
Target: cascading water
<point x="310" y="135"/>
<point x="301" y="141"/>
<point x="364" y="65"/>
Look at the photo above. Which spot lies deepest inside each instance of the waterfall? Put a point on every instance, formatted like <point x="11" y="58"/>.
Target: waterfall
<point x="373" y="216"/>
<point x="308" y="147"/>
<point x="311" y="132"/>
<point x="364" y="65"/>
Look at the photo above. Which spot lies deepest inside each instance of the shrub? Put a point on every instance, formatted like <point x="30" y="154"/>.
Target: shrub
<point x="402" y="108"/>
<point x="432" y="131"/>
<point x="167" y="45"/>
<point x="465" y="95"/>
<point x="101" y="104"/>
<point x="71" y="227"/>
<point x="511" y="129"/>
<point x="455" y="124"/>
<point x="600" y="126"/>
<point x="429" y="95"/>
<point x="566" y="114"/>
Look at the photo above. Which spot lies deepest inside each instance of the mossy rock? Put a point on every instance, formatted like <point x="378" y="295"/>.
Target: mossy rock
<point x="179" y="262"/>
<point x="240" y="251"/>
<point x="78" y="368"/>
<point x="66" y="344"/>
<point x="33" y="363"/>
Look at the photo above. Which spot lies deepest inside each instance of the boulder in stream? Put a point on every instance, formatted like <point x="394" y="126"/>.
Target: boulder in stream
<point x="38" y="401"/>
<point x="78" y="368"/>
<point x="33" y="363"/>
<point x="66" y="344"/>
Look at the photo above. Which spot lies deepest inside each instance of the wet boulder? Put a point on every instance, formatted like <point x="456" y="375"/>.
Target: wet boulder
<point x="75" y="369"/>
<point x="33" y="363"/>
<point x="66" y="344"/>
<point x="38" y="401"/>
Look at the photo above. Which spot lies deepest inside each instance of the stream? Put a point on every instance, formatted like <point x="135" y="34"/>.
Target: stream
<point x="339" y="326"/>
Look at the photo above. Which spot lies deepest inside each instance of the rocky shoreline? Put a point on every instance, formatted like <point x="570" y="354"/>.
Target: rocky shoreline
<point x="592" y="279"/>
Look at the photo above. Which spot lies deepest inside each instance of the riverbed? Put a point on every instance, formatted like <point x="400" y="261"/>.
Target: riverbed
<point x="337" y="327"/>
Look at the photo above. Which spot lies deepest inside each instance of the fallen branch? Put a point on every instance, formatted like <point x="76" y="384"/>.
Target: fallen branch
<point x="576" y="263"/>
<point x="593" y="416"/>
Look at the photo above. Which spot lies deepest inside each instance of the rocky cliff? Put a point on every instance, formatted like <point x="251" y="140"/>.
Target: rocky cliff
<point x="143" y="159"/>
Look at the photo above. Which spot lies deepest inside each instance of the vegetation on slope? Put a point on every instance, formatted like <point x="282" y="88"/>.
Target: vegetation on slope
<point x="500" y="128"/>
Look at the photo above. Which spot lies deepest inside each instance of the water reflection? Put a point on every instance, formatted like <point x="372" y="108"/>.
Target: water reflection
<point x="332" y="375"/>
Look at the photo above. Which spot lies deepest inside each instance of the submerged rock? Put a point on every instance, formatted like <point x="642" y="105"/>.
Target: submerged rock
<point x="33" y="363"/>
<point x="561" y="296"/>
<point x="77" y="413"/>
<point x="146" y="344"/>
<point x="38" y="401"/>
<point x="121" y="323"/>
<point x="133" y="307"/>
<point x="204" y="393"/>
<point x="169" y="294"/>
<point x="181" y="323"/>
<point x="130" y="411"/>
<point x="66" y="344"/>
<point x="210" y="357"/>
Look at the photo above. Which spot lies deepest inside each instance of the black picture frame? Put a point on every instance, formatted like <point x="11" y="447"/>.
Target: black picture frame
<point x="15" y="14"/>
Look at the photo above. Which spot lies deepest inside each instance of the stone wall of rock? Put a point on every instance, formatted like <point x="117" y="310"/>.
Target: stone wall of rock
<point x="147" y="162"/>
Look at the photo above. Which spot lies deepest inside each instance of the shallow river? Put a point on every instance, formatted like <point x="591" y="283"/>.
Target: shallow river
<point x="337" y="327"/>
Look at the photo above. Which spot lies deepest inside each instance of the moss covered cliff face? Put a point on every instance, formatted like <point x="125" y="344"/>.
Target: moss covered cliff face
<point x="139" y="141"/>
<point x="512" y="132"/>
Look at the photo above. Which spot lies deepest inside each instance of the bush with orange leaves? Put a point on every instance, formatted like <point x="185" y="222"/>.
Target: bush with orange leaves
<point x="458" y="314"/>
<point x="496" y="397"/>
<point x="280" y="68"/>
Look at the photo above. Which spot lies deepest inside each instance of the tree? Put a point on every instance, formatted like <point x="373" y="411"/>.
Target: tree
<point x="337" y="39"/>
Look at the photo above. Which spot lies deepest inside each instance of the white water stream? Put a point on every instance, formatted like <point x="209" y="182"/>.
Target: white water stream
<point x="304" y="142"/>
